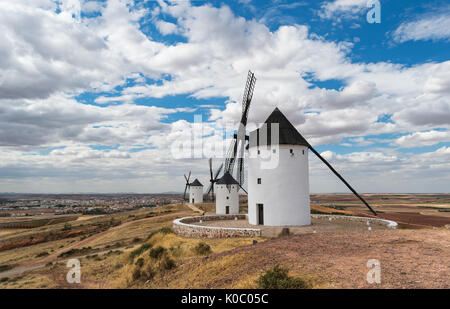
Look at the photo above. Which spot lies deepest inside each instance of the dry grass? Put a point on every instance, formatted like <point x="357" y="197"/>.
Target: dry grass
<point x="180" y="250"/>
<point x="22" y="254"/>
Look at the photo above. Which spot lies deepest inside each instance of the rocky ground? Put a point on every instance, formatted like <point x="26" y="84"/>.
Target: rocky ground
<point x="408" y="259"/>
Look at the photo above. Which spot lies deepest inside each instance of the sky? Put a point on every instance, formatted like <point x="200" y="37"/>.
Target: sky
<point x="95" y="94"/>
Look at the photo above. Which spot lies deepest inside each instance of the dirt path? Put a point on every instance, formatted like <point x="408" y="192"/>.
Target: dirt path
<point x="194" y="208"/>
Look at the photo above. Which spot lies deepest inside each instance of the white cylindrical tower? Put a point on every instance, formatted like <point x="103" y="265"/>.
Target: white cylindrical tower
<point x="278" y="178"/>
<point x="196" y="192"/>
<point x="227" y="195"/>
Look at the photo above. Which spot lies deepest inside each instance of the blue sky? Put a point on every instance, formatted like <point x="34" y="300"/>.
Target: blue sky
<point x="110" y="86"/>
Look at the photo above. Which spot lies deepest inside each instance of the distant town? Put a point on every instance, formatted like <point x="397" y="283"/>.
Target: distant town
<point x="20" y="205"/>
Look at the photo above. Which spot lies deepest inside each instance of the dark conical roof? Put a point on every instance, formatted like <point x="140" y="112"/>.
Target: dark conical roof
<point x="196" y="183"/>
<point x="227" y="179"/>
<point x="288" y="133"/>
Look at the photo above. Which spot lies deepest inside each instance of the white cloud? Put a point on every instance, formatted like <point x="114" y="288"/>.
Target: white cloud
<point x="342" y="9"/>
<point x="432" y="27"/>
<point x="166" y="27"/>
<point x="419" y="139"/>
<point x="46" y="58"/>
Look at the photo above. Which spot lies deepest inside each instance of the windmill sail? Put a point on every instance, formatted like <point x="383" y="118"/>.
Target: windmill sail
<point x="213" y="179"/>
<point x="187" y="184"/>
<point x="237" y="147"/>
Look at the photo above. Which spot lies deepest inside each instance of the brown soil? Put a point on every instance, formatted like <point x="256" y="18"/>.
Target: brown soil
<point x="415" y="219"/>
<point x="409" y="259"/>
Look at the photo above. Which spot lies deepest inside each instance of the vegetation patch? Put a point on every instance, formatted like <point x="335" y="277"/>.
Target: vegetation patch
<point x="284" y="232"/>
<point x="75" y="251"/>
<point x="43" y="253"/>
<point x="158" y="252"/>
<point x="5" y="267"/>
<point x="278" y="278"/>
<point x="139" y="251"/>
<point x="202" y="248"/>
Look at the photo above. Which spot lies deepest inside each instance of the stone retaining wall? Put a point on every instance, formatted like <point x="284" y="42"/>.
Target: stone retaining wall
<point x="384" y="222"/>
<point x="183" y="227"/>
<point x="186" y="226"/>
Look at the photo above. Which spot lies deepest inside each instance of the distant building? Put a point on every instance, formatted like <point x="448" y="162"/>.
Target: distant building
<point x="278" y="195"/>
<point x="227" y="195"/>
<point x="195" y="192"/>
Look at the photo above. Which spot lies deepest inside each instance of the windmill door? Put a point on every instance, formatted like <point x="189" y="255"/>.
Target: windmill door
<point x="227" y="210"/>
<point x="260" y="213"/>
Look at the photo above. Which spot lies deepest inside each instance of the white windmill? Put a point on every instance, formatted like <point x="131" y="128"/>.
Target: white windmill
<point x="195" y="192"/>
<point x="278" y="195"/>
<point x="227" y="195"/>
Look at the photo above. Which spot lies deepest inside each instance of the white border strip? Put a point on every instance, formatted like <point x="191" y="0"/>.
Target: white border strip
<point x="387" y="223"/>
<point x="179" y="222"/>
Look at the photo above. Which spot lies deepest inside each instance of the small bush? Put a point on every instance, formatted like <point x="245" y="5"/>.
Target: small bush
<point x="278" y="278"/>
<point x="139" y="251"/>
<point x="136" y="239"/>
<point x="44" y="253"/>
<point x="140" y="262"/>
<point x="137" y="274"/>
<point x="157" y="252"/>
<point x="202" y="248"/>
<point x="167" y="263"/>
<point x="67" y="226"/>
<point x="5" y="267"/>
<point x="165" y="230"/>
<point x="149" y="273"/>
<point x="284" y="232"/>
<point x="4" y="279"/>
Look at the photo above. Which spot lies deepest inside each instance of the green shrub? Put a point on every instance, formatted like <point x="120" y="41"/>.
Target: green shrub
<point x="165" y="230"/>
<point x="157" y="252"/>
<point x="202" y="248"/>
<point x="139" y="251"/>
<point x="136" y="239"/>
<point x="44" y="253"/>
<point x="284" y="232"/>
<point x="4" y="279"/>
<point x="149" y="273"/>
<point x="167" y="263"/>
<point x="137" y="274"/>
<point x="5" y="267"/>
<point x="278" y="278"/>
<point x="140" y="262"/>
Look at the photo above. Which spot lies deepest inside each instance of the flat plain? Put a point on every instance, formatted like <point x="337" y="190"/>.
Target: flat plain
<point x="123" y="250"/>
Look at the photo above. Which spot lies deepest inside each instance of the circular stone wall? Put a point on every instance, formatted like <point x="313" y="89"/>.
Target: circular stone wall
<point x="226" y="226"/>
<point x="186" y="227"/>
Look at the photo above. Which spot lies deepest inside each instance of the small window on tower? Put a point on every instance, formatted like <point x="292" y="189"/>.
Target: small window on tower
<point x="274" y="150"/>
<point x="228" y="198"/>
<point x="291" y="151"/>
<point x="259" y="151"/>
<point x="303" y="151"/>
<point x="259" y="181"/>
